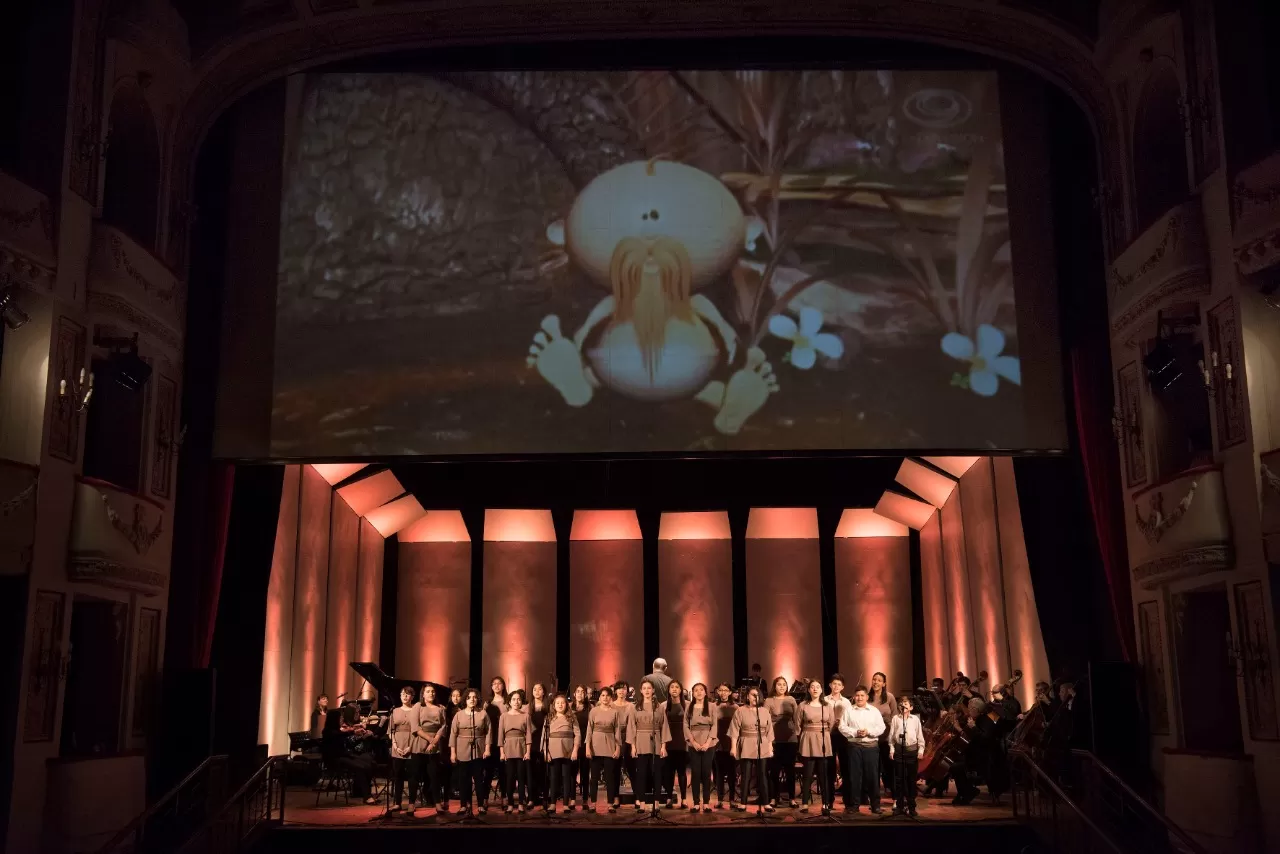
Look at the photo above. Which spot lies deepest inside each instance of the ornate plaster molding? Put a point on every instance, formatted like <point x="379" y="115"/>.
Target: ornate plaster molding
<point x="1156" y="524"/>
<point x="141" y="537"/>
<point x="103" y="305"/>
<point x="1197" y="561"/>
<point x="100" y="570"/>
<point x="1190" y="283"/>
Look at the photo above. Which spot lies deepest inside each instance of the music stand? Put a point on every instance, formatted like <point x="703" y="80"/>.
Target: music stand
<point x="654" y="814"/>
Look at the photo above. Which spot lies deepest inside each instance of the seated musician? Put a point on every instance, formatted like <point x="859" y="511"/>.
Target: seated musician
<point x="319" y="715"/>
<point x="345" y="749"/>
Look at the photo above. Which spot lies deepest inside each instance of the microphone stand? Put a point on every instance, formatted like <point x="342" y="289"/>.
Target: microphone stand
<point x="466" y="816"/>
<point x="759" y="815"/>
<point x="548" y="805"/>
<point x="824" y="815"/>
<point x="654" y="814"/>
<point x="900" y="782"/>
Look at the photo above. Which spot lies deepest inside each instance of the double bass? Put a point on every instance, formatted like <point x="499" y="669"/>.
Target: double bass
<point x="945" y="749"/>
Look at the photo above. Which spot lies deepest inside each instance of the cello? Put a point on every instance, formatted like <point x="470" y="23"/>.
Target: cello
<point x="944" y="751"/>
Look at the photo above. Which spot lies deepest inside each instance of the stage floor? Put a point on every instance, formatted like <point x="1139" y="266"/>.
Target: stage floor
<point x="301" y="810"/>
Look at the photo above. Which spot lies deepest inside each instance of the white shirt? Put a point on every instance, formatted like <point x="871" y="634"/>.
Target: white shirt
<point x="915" y="735"/>
<point x="840" y="704"/>
<point x="866" y="718"/>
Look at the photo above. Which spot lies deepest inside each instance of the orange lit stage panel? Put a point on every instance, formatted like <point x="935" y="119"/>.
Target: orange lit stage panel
<point x="433" y="611"/>
<point x="369" y="599"/>
<point x="273" y="714"/>
<point x="606" y="597"/>
<point x="1026" y="642"/>
<point x="873" y="598"/>
<point x="933" y="591"/>
<point x="343" y="593"/>
<point x="519" y="642"/>
<point x="310" y="602"/>
<point x="955" y="568"/>
<point x="986" y="581"/>
<point x="784" y="600"/>
<point x="695" y="596"/>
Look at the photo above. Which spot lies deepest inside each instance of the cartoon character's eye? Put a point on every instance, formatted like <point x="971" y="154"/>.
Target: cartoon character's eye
<point x="653" y="214"/>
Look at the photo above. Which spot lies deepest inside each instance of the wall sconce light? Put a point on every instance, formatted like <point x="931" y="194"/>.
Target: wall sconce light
<point x="14" y="317"/>
<point x="78" y="393"/>
<point x="1215" y="365"/>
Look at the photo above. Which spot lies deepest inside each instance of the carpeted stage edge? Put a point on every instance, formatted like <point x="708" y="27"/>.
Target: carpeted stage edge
<point x="892" y="837"/>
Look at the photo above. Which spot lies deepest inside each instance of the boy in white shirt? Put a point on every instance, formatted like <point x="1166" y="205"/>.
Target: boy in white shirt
<point x="861" y="725"/>
<point x="906" y="743"/>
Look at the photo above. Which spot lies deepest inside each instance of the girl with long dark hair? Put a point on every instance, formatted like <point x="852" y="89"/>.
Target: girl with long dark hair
<point x="726" y="773"/>
<point x="648" y="735"/>
<point x="605" y="730"/>
<point x="782" y="772"/>
<point x="562" y="739"/>
<point x="673" y="767"/>
<point x="403" y="725"/>
<point x="537" y="708"/>
<point x="887" y="705"/>
<point x="751" y="743"/>
<point x="814" y="722"/>
<point x="580" y="708"/>
<point x="514" y="739"/>
<point x="494" y="707"/>
<point x="469" y="750"/>
<point x="427" y="744"/>
<point x="700" y="737"/>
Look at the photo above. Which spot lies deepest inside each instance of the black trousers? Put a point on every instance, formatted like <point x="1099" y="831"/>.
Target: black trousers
<point x="360" y="768"/>
<point x="515" y="789"/>
<point x="402" y="770"/>
<point x="906" y="769"/>
<point x="607" y="767"/>
<point x="864" y="774"/>
<point x="647" y="780"/>
<point x="811" y="765"/>
<point x="673" y="772"/>
<point x="537" y="777"/>
<point x="838" y="764"/>
<point x="584" y="773"/>
<point x="726" y="775"/>
<point x="700" y="762"/>
<point x="471" y="772"/>
<point x="886" y="768"/>
<point x="628" y="762"/>
<point x="757" y="771"/>
<point x="561" y="781"/>
<point x="492" y="768"/>
<point x="782" y="772"/>
<point x="432" y="777"/>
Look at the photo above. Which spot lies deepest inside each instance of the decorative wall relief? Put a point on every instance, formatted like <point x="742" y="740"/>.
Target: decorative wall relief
<point x="1226" y="359"/>
<point x="1253" y="662"/>
<point x="1135" y="455"/>
<point x="163" y="440"/>
<point x="1200" y="104"/>
<point x="1156" y="523"/>
<point x="137" y="531"/>
<point x="44" y="666"/>
<point x="86" y="98"/>
<point x="146" y="669"/>
<point x="68" y="359"/>
<point x="18" y="486"/>
<point x="1152" y="652"/>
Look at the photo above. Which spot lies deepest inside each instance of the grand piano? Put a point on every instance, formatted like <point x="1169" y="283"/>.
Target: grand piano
<point x="388" y="687"/>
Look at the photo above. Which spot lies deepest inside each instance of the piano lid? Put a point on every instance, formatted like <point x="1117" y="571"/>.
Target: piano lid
<point x="388" y="687"/>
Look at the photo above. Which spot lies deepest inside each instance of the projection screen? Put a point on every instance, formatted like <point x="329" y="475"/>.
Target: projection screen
<point x="540" y="262"/>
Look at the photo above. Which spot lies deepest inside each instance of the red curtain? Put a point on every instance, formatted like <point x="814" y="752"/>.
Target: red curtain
<point x="1091" y="385"/>
<point x="220" y="486"/>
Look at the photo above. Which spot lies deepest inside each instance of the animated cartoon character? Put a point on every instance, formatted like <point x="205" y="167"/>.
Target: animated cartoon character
<point x="654" y="233"/>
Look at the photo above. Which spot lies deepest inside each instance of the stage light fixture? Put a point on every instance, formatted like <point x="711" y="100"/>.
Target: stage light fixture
<point x="14" y="317"/>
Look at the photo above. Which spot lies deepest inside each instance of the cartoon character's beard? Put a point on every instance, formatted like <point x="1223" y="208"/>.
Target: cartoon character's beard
<point x="652" y="283"/>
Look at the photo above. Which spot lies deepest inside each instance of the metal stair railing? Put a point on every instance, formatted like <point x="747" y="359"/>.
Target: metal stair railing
<point x="164" y="825"/>
<point x="1041" y="804"/>
<point x="257" y="806"/>
<point x="1111" y="801"/>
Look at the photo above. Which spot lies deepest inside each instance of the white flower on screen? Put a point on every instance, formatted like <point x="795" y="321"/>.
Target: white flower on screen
<point x="986" y="365"/>
<point x="807" y="338"/>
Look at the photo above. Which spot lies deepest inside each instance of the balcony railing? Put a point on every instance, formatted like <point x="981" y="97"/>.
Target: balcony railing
<point x="1170" y="260"/>
<point x="27" y="252"/>
<point x="120" y="268"/>
<point x="1255" y="209"/>
<point x="118" y="539"/>
<point x="256" y="807"/>
<point x="167" y="823"/>
<point x="1179" y="527"/>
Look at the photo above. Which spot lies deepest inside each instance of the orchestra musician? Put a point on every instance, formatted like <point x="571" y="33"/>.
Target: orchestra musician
<point x="815" y="721"/>
<point x="606" y="728"/>
<point x="700" y="737"/>
<point x="515" y="736"/>
<point x="782" y="709"/>
<point x="469" y="750"/>
<point x="319" y="715"/>
<point x="725" y="772"/>
<point x="581" y="709"/>
<point x="861" y="725"/>
<point x="561" y="743"/>
<point x="648" y="734"/>
<point x="885" y="703"/>
<point x="404" y="723"/>
<point x="906" y="742"/>
<point x="677" y="759"/>
<point x="428" y="746"/>
<point x="751" y="744"/>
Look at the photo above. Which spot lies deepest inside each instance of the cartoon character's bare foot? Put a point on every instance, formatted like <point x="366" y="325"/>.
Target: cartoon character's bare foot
<point x="745" y="393"/>
<point x="560" y="363"/>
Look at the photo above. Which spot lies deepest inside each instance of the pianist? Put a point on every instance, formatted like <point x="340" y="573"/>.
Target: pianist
<point x="319" y="715"/>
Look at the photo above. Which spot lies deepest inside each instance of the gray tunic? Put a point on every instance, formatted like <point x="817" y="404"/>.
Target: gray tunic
<point x="515" y="734"/>
<point x="649" y="731"/>
<point x="563" y="736"/>
<point x="404" y="723"/>
<point x="431" y="729"/>
<point x="814" y="725"/>
<point x="469" y="738"/>
<point x="783" y="712"/>
<point x="605" y="731"/>
<point x="751" y="731"/>
<point x="700" y="729"/>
